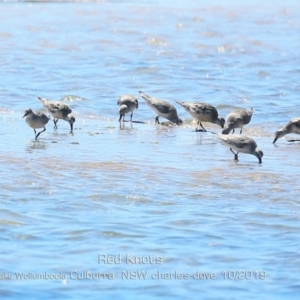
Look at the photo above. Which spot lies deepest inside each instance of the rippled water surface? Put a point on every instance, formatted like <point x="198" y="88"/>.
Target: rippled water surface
<point x="141" y="210"/>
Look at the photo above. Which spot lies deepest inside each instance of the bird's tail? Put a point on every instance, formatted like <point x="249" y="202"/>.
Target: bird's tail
<point x="42" y="100"/>
<point x="143" y="95"/>
<point x="183" y="105"/>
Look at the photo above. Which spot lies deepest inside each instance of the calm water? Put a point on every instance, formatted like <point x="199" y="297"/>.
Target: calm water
<point x="76" y="210"/>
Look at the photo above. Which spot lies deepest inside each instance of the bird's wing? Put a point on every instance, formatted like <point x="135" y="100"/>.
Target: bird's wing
<point x="202" y="109"/>
<point x="295" y="122"/>
<point x="57" y="106"/>
<point x="238" y="142"/>
<point x="163" y="108"/>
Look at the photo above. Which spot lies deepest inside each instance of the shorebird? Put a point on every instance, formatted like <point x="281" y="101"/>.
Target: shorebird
<point x="243" y="144"/>
<point x="127" y="103"/>
<point x="237" y="119"/>
<point x="203" y="112"/>
<point x="293" y="126"/>
<point x="58" y="110"/>
<point x="36" y="120"/>
<point x="162" y="108"/>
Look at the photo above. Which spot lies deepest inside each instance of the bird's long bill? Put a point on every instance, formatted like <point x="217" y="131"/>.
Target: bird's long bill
<point x="25" y="114"/>
<point x="71" y="127"/>
<point x="276" y="137"/>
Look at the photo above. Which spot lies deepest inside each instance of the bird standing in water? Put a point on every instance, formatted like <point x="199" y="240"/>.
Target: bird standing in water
<point x="162" y="108"/>
<point x="203" y="112"/>
<point x="237" y="119"/>
<point x="243" y="144"/>
<point x="36" y="120"/>
<point x="293" y="126"/>
<point x="127" y="104"/>
<point x="58" y="110"/>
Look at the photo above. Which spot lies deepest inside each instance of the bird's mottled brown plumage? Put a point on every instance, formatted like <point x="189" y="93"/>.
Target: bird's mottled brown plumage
<point x="162" y="108"/>
<point x="58" y="110"/>
<point x="203" y="112"/>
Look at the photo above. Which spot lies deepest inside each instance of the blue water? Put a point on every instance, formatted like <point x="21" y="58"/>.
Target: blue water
<point x="168" y="195"/>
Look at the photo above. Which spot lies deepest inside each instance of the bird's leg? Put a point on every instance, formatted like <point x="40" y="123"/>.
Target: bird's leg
<point x="55" y="122"/>
<point x="131" y="117"/>
<point x="203" y="129"/>
<point x="197" y="127"/>
<point x="157" y="120"/>
<point x="122" y="115"/>
<point x="233" y="131"/>
<point x="40" y="132"/>
<point x="35" y="133"/>
<point x="241" y="130"/>
<point x="235" y="155"/>
<point x="232" y="151"/>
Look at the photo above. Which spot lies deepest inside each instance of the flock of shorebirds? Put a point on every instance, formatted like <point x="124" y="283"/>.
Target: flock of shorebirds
<point x="200" y="111"/>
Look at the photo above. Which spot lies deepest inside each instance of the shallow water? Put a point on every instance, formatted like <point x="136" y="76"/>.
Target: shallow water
<point x="173" y="197"/>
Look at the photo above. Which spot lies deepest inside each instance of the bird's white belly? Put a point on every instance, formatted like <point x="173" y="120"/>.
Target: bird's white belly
<point x="56" y="115"/>
<point x="35" y="123"/>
